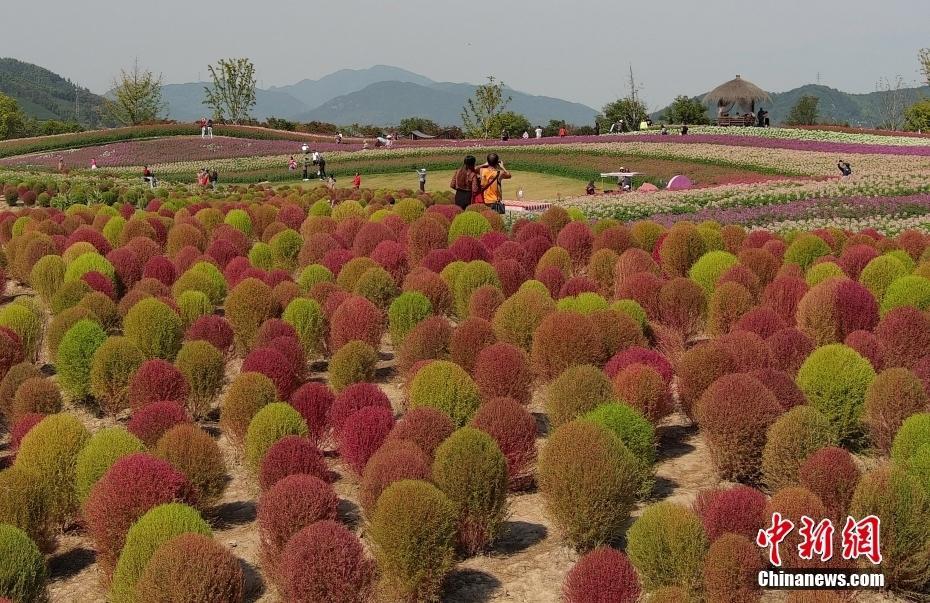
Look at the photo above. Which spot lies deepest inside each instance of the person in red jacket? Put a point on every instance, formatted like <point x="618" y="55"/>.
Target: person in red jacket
<point x="357" y="181"/>
<point x="562" y="132"/>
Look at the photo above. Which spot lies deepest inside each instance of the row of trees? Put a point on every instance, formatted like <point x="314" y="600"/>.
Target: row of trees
<point x="14" y="123"/>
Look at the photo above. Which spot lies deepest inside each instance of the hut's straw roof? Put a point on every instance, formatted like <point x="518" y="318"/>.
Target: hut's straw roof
<point x="737" y="91"/>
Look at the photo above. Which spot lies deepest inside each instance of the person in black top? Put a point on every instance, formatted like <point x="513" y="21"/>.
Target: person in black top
<point x="844" y="167"/>
<point x="214" y="178"/>
<point x="684" y="130"/>
<point x="321" y="163"/>
<point x="210" y="128"/>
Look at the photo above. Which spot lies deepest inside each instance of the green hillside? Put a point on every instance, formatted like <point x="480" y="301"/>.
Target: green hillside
<point x="45" y="95"/>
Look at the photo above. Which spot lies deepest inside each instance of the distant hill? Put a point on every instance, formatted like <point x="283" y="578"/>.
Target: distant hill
<point x="389" y="102"/>
<point x="185" y="102"/>
<point x="45" y="95"/>
<point x="313" y="93"/>
<point x="835" y="106"/>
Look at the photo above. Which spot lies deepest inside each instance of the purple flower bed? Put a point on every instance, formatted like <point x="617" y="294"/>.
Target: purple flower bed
<point x="169" y="150"/>
<point x="808" y="208"/>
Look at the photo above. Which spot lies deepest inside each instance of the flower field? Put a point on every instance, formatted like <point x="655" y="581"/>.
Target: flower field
<point x="277" y="393"/>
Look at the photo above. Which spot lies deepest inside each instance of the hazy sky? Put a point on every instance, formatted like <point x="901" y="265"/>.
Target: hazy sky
<point x="574" y="49"/>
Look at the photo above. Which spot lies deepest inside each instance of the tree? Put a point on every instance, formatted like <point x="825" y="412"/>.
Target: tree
<point x="13" y="122"/>
<point x="232" y="95"/>
<point x="136" y="97"/>
<point x="924" y="56"/>
<point x="487" y="103"/>
<point x="917" y="116"/>
<point x="891" y="102"/>
<point x="514" y="123"/>
<point x="685" y="110"/>
<point x="629" y="109"/>
<point x="804" y="112"/>
<point x="420" y="124"/>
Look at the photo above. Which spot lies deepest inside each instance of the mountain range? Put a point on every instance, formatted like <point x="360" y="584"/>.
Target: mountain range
<point x="381" y="95"/>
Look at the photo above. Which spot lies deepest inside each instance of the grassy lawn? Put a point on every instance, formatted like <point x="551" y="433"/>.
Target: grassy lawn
<point x="535" y="186"/>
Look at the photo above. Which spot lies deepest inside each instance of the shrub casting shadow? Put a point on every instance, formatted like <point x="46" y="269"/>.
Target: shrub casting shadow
<point x="672" y="441"/>
<point x="470" y="585"/>
<point x="71" y="563"/>
<point x="518" y="536"/>
<point x="232" y="514"/>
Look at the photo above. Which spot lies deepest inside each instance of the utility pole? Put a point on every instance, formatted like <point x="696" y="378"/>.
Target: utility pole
<point x="632" y="84"/>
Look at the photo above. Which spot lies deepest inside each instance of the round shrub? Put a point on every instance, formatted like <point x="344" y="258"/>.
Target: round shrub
<point x="247" y="306"/>
<point x="428" y="340"/>
<point x="25" y="323"/>
<point x="792" y="503"/>
<point x="151" y="421"/>
<point x="113" y="365"/>
<point x="22" y="505"/>
<point x="834" y="379"/>
<point x="75" y="355"/>
<point x="517" y="318"/>
<point x="636" y="433"/>
<point x="195" y="454"/>
<point x="603" y="575"/>
<point x="35" y="395"/>
<point x="805" y="250"/>
<point x="832" y="475"/>
<point x="413" y="536"/>
<point x="680" y="249"/>
<point x="204" y="369"/>
<point x="904" y="508"/>
<point x="904" y="334"/>
<point x="697" y="369"/>
<point x="644" y="388"/>
<point x="356" y="319"/>
<point x="157" y="380"/>
<point x="352" y="399"/>
<point x="734" y="413"/>
<point x="471" y="470"/>
<point x="68" y="295"/>
<point x="911" y="290"/>
<point x="271" y="423"/>
<point x="446" y="387"/>
<point x="248" y="393"/>
<point x="667" y="545"/>
<point x="790" y="347"/>
<point x="291" y="455"/>
<point x="213" y="329"/>
<point x="514" y="430"/>
<point x="731" y="568"/>
<point x="726" y="305"/>
<point x="468" y="223"/>
<point x="795" y="435"/>
<point x="426" y="427"/>
<point x="191" y="567"/>
<point x="272" y="362"/>
<point x="911" y="436"/>
<point x="892" y="397"/>
<point x="103" y="449"/>
<point x="563" y="340"/>
<point x="155" y="328"/>
<point x="405" y="312"/>
<point x="502" y="371"/>
<point x="362" y="434"/>
<point x="469" y="338"/>
<point x="709" y="267"/>
<point x="313" y="401"/>
<point x="291" y="504"/>
<point x="737" y="510"/>
<point x="22" y="567"/>
<point x="326" y="562"/>
<point x="153" y="529"/>
<point x="355" y="362"/>
<point x="306" y="316"/>
<point x="471" y="277"/>
<point x="588" y="480"/>
<point x="868" y="346"/>
<point x="377" y="286"/>
<point x="398" y="459"/>
<point x="47" y="275"/>
<point x="880" y="272"/>
<point x="132" y="486"/>
<point x="50" y="452"/>
<point x="576" y="391"/>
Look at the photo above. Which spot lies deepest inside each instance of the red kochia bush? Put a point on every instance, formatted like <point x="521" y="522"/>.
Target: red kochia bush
<point x="484" y="301"/>
<point x="762" y="321"/>
<point x="437" y="259"/>
<point x="20" y="428"/>
<point x="468" y="339"/>
<point x="832" y="475"/>
<point x="191" y="567"/>
<point x="577" y="239"/>
<point x="642" y="387"/>
<point x="132" y="486"/>
<point x="271" y="329"/>
<point x="640" y="355"/>
<point x="552" y="278"/>
<point x="396" y="460"/>
<point x="274" y="365"/>
<point x="697" y="369"/>
<point x="790" y="348"/>
<point x="577" y="285"/>
<point x="502" y="371"/>
<point x="392" y="257"/>
<point x="11" y="350"/>
<point x="563" y="340"/>
<point x="428" y="340"/>
<point x="127" y="265"/>
<point x="468" y="249"/>
<point x="157" y="380"/>
<point x="291" y="455"/>
<point x="213" y="329"/>
<point x="855" y="257"/>
<point x="511" y="273"/>
<point x="783" y="295"/>
<point x="737" y="510"/>
<point x="424" y="426"/>
<point x="748" y="350"/>
<point x="362" y="434"/>
<point x="368" y="237"/>
<point x="150" y="422"/>
<point x="905" y="336"/>
<point x="514" y="430"/>
<point x="604" y="575"/>
<point x="731" y="567"/>
<point x="313" y="401"/>
<point x="292" y="504"/>
<point x="782" y="385"/>
<point x="160" y="268"/>
<point x="644" y="289"/>
<point x="326" y="562"/>
<point x="356" y="319"/>
<point x="868" y="346"/>
<point x="352" y="399"/>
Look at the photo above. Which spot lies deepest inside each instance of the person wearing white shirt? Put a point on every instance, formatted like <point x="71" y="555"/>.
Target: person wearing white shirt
<point x="539" y="132"/>
<point x="526" y="135"/>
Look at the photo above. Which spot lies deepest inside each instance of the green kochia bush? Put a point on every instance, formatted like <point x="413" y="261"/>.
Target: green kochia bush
<point x="405" y="312"/>
<point x="75" y="356"/>
<point x="89" y="262"/>
<point x="50" y="452"/>
<point x="269" y="425"/>
<point x="667" y="545"/>
<point x="191" y="567"/>
<point x="471" y="470"/>
<point x="577" y="390"/>
<point x="589" y="480"/>
<point x="413" y="536"/>
<point x="203" y="367"/>
<point x="153" y="529"/>
<point x="468" y="224"/>
<point x="103" y="449"/>
<point x="26" y="323"/>
<point x="913" y="434"/>
<point x="313" y="274"/>
<point x="355" y="362"/>
<point x="248" y="305"/>
<point x="192" y="305"/>
<point x="471" y="277"/>
<point x="880" y="272"/>
<point x="306" y="316"/>
<point x="636" y="433"/>
<point x="113" y="365"/>
<point x="446" y="386"/>
<point x="791" y="439"/>
<point x="47" y="276"/>
<point x="710" y="267"/>
<point x="909" y="290"/>
<point x="155" y="328"/>
<point x="805" y="249"/>
<point x="22" y="567"/>
<point x="834" y="378"/>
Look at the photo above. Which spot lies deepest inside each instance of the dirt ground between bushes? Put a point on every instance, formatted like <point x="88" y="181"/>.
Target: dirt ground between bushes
<point x="527" y="564"/>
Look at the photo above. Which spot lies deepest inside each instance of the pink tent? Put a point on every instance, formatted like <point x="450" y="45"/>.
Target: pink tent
<point x="648" y="187"/>
<point x="679" y="183"/>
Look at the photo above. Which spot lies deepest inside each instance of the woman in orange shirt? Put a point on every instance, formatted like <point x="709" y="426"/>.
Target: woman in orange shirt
<point x="491" y="174"/>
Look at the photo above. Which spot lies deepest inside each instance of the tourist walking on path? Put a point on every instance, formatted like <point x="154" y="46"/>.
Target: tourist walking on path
<point x="562" y="132"/>
<point x="465" y="183"/>
<point x="492" y="173"/>
<point x="203" y="127"/>
<point x="421" y="176"/>
<point x="539" y="131"/>
<point x="526" y="135"/>
<point x="210" y="128"/>
<point x="214" y="178"/>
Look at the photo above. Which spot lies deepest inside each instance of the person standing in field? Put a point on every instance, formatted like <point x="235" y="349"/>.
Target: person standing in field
<point x="465" y="183"/>
<point x="210" y="128"/>
<point x="357" y="181"/>
<point x="539" y="131"/>
<point x="203" y="127"/>
<point x="421" y="176"/>
<point x="213" y="178"/>
<point x="93" y="163"/>
<point x="526" y="135"/>
<point x="321" y="163"/>
<point x="492" y="173"/>
<point x="562" y="132"/>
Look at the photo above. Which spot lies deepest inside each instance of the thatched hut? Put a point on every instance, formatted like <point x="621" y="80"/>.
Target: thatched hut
<point x="737" y="93"/>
